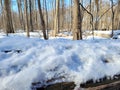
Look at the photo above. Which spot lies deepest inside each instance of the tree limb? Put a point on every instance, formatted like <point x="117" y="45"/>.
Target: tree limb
<point x="106" y="11"/>
<point x="90" y="15"/>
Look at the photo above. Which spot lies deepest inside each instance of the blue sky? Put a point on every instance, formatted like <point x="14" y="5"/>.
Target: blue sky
<point x="14" y="3"/>
<point x="15" y="8"/>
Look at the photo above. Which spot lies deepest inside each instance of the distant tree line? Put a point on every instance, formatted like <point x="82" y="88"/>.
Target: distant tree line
<point x="74" y="16"/>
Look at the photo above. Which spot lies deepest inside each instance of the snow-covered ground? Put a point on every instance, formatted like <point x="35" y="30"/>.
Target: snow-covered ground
<point x="55" y="60"/>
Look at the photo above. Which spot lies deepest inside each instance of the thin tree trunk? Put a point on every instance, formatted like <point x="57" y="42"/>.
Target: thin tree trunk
<point x="26" y="17"/>
<point x="31" y="22"/>
<point x="36" y="16"/>
<point x="97" y="7"/>
<point x="46" y="18"/>
<point x="53" y="14"/>
<point x="91" y="20"/>
<point x="2" y="8"/>
<point x="112" y="17"/>
<point x="118" y="23"/>
<point x="42" y="20"/>
<point x="20" y="14"/>
<point x="71" y="12"/>
<point x="56" y="22"/>
<point x="13" y="21"/>
<point x="63" y="15"/>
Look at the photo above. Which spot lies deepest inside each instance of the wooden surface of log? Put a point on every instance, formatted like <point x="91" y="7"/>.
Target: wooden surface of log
<point x="102" y="81"/>
<point x="103" y="84"/>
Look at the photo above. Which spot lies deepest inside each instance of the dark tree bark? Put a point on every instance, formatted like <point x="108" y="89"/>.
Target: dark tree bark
<point x="31" y="23"/>
<point x="91" y="15"/>
<point x="112" y="16"/>
<point x="46" y="11"/>
<point x="42" y="21"/>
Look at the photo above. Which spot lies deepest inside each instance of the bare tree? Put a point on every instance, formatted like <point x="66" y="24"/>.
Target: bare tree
<point x="91" y="21"/>
<point x="35" y="15"/>
<point x="31" y="22"/>
<point x="97" y="7"/>
<point x="2" y="14"/>
<point x="112" y="16"/>
<point x="63" y="15"/>
<point x="46" y="12"/>
<point x="56" y="22"/>
<point x="91" y="15"/>
<point x="118" y="15"/>
<point x="26" y="17"/>
<point x="42" y="21"/>
<point x="77" y="32"/>
<point x="8" y="17"/>
<point x="56" y="15"/>
<point x="71" y="12"/>
<point x="19" y="3"/>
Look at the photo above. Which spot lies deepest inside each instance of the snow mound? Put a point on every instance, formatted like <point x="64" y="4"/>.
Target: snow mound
<point x="55" y="60"/>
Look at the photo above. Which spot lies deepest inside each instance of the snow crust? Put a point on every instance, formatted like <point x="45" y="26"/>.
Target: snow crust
<point x="55" y="60"/>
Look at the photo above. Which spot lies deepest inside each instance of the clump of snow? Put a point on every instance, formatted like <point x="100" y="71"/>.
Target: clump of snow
<point x="116" y="34"/>
<point x="55" y="60"/>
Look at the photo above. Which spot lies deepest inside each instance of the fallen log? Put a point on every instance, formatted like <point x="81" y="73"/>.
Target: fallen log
<point x="103" y="81"/>
<point x="103" y="84"/>
<point x="110" y="86"/>
<point x="58" y="86"/>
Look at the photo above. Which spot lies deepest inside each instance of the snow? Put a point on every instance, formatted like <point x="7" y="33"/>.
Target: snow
<point x="116" y="34"/>
<point x="55" y="60"/>
<point x="102" y="32"/>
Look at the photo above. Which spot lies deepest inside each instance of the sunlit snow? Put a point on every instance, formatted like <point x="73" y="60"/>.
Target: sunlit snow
<point x="62" y="59"/>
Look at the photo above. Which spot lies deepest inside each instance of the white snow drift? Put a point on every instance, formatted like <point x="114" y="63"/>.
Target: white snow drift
<point x="58" y="60"/>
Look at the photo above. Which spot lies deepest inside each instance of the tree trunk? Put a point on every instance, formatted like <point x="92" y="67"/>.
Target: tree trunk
<point x="56" y="22"/>
<point x="91" y="20"/>
<point x="2" y="14"/>
<point x="42" y="20"/>
<point x="35" y="16"/>
<point x="118" y="24"/>
<point x="97" y="15"/>
<point x="112" y="17"/>
<point x="31" y="23"/>
<point x="26" y="17"/>
<point x="77" y="32"/>
<point x="46" y="12"/>
<point x="71" y="12"/>
<point x="19" y="2"/>
<point x="8" y="17"/>
<point x="63" y="15"/>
